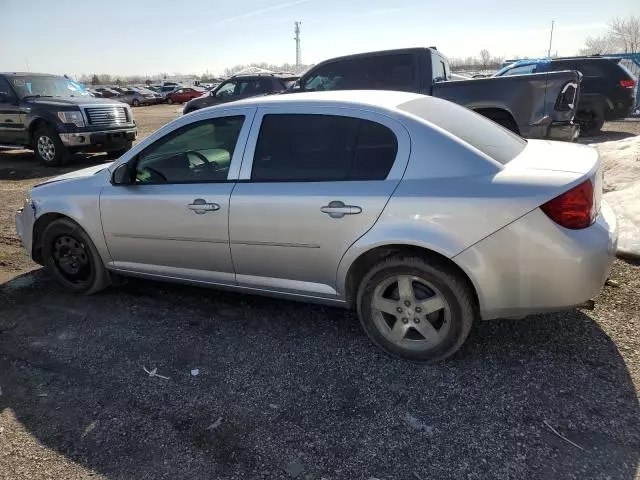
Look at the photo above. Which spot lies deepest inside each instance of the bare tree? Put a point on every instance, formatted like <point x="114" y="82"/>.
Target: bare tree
<point x="623" y="36"/>
<point x="485" y="58"/>
<point x="626" y="32"/>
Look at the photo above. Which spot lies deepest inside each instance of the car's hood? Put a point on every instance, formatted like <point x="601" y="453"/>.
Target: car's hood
<point x="71" y="101"/>
<point x="83" y="173"/>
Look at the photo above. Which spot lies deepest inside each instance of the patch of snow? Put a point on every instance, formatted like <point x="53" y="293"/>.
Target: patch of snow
<point x="621" y="160"/>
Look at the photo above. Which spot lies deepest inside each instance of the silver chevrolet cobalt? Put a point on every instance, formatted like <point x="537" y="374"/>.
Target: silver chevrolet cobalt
<point x="418" y="213"/>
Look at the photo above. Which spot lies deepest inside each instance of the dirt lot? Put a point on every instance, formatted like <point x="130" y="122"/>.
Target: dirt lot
<point x="288" y="390"/>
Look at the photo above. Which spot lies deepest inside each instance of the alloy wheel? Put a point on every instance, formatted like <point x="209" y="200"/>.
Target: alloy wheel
<point x="410" y="312"/>
<point x="46" y="148"/>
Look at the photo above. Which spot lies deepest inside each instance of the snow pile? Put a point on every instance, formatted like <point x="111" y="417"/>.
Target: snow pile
<point x="621" y="160"/>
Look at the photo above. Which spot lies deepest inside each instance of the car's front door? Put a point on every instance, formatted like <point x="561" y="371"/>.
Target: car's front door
<point x="313" y="181"/>
<point x="173" y="221"/>
<point x="12" y="129"/>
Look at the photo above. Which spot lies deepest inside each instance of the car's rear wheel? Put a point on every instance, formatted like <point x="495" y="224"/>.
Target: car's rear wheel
<point x="135" y="102"/>
<point x="72" y="258"/>
<point x="591" y="122"/>
<point x="49" y="148"/>
<point x="416" y="309"/>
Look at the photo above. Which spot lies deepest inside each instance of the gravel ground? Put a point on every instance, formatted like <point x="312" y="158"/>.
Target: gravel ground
<point x="289" y="390"/>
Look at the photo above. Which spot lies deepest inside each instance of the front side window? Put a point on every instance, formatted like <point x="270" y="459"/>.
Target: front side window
<point x="226" y="90"/>
<point x="314" y="148"/>
<point x="196" y="153"/>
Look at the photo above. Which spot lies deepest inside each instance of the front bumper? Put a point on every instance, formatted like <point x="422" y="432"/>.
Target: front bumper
<point x="106" y="139"/>
<point x="535" y="266"/>
<point x="25" y="219"/>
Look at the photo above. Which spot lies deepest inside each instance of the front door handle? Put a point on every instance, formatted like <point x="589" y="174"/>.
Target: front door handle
<point x="200" y="206"/>
<point x="337" y="209"/>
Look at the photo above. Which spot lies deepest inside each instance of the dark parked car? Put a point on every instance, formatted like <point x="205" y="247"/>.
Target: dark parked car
<point x="243" y="86"/>
<point x="607" y="90"/>
<point x="534" y="106"/>
<point x="106" y="92"/>
<point x="56" y="116"/>
<point x="184" y="94"/>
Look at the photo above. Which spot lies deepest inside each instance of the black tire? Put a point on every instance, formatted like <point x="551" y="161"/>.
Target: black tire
<point x="455" y="318"/>
<point x="113" y="154"/>
<point x="55" y="153"/>
<point x="170" y="101"/>
<point x="59" y="248"/>
<point x="591" y="122"/>
<point x="135" y="102"/>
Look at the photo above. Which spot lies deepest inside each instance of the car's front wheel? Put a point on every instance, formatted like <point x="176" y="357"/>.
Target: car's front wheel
<point x="416" y="309"/>
<point x="49" y="148"/>
<point x="170" y="101"/>
<point x="72" y="258"/>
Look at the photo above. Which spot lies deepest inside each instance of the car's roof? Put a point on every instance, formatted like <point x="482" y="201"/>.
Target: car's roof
<point x="366" y="98"/>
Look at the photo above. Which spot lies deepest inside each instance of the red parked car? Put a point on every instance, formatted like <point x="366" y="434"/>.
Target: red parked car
<point x="184" y="94"/>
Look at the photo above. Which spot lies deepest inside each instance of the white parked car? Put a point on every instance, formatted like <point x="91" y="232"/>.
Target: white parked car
<point x="422" y="215"/>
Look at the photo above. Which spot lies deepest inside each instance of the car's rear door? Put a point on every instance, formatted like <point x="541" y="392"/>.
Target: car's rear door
<point x="313" y="181"/>
<point x="173" y="221"/>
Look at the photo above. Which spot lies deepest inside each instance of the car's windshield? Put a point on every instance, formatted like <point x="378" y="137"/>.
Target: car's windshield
<point x="47" y="86"/>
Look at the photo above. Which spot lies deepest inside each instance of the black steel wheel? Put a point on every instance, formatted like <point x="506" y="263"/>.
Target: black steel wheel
<point x="72" y="258"/>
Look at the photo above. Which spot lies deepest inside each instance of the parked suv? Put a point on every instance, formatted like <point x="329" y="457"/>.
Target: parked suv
<point x="242" y="86"/>
<point x="56" y="116"/>
<point x="607" y="91"/>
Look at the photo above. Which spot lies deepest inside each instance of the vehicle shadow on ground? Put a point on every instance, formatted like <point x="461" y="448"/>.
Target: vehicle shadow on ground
<point x="23" y="165"/>
<point x="608" y="136"/>
<point x="286" y="389"/>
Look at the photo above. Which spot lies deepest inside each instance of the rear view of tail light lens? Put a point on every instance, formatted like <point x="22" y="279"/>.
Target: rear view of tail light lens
<point x="627" y="83"/>
<point x="574" y="209"/>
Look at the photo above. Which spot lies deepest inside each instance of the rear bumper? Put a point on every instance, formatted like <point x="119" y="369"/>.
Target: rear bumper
<point x="98" y="141"/>
<point x="534" y="266"/>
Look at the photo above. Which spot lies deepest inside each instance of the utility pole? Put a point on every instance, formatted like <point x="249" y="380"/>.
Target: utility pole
<point x="297" y="39"/>
<point x="26" y="61"/>
<point x="550" y="39"/>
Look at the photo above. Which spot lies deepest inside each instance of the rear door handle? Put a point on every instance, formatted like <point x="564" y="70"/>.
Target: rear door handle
<point x="337" y="209"/>
<point x="201" y="206"/>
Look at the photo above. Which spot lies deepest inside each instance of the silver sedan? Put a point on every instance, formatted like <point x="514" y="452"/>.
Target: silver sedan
<point x="418" y="213"/>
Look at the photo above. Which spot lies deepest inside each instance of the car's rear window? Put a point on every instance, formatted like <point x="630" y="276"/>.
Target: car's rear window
<point x="487" y="136"/>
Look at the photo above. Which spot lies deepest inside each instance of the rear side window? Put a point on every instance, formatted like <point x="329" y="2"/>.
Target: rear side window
<point x="490" y="138"/>
<point x="5" y="87"/>
<point x="587" y="69"/>
<point x="378" y="72"/>
<point x="314" y="148"/>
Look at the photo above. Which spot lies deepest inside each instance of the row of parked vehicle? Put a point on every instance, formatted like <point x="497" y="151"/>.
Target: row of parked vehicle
<point x="137" y="96"/>
<point x="546" y="98"/>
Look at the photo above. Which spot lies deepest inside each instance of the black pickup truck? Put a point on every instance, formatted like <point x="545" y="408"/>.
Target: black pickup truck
<point x="540" y="105"/>
<point x="57" y="117"/>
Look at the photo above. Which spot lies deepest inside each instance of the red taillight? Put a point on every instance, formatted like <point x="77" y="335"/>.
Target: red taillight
<point x="627" y="83"/>
<point x="574" y="209"/>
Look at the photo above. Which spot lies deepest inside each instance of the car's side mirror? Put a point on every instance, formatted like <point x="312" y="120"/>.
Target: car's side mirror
<point x="122" y="175"/>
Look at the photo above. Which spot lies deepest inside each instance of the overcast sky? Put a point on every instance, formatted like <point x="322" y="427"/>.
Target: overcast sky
<point x="147" y="37"/>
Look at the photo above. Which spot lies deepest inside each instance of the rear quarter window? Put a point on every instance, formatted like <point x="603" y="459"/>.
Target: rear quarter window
<point x="472" y="128"/>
